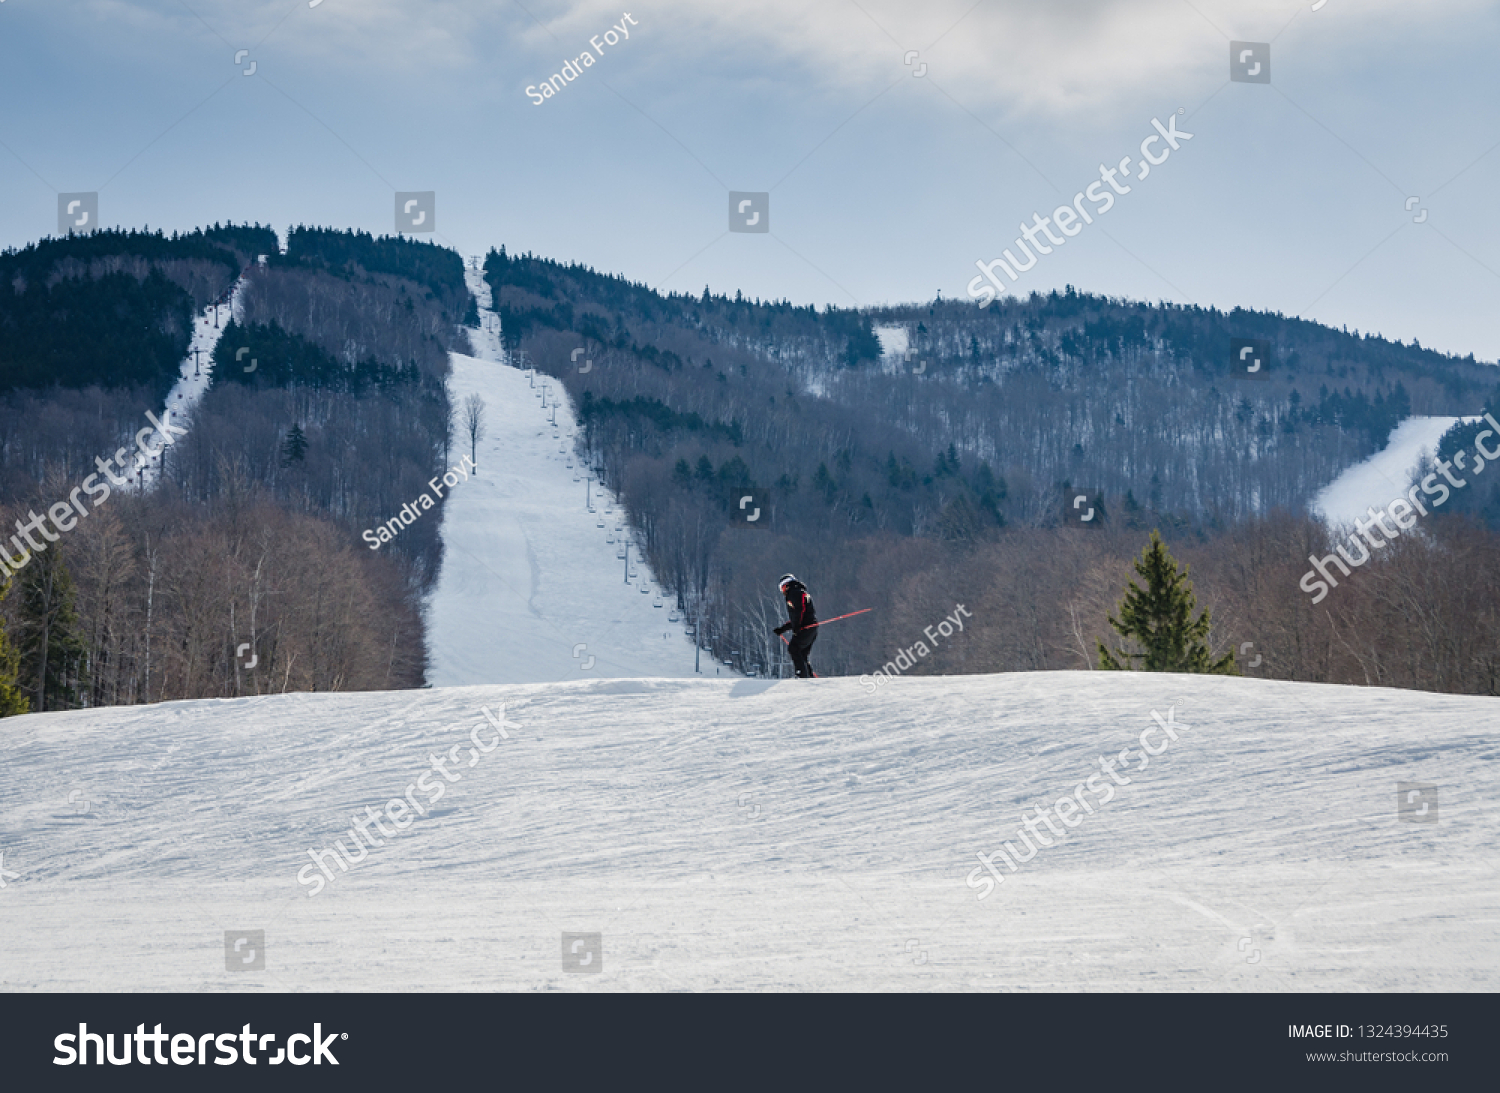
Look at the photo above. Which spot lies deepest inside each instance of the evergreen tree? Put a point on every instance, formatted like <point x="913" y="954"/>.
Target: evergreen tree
<point x="12" y="699"/>
<point x="735" y="472"/>
<point x="824" y="481"/>
<point x="53" y="657"/>
<point x="294" y="447"/>
<point x="1160" y="618"/>
<point x="863" y="344"/>
<point x="992" y="492"/>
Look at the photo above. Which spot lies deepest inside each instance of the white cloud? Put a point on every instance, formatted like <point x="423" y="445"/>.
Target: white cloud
<point x="1012" y="58"/>
<point x="1061" y="57"/>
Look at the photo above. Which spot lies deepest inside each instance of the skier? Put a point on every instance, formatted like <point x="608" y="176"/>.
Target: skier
<point x="802" y="620"/>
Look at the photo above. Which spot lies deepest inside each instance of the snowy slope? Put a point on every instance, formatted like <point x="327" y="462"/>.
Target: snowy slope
<point x="724" y="834"/>
<point x="894" y="342"/>
<point x="195" y="373"/>
<point x="529" y="576"/>
<point x="1386" y="475"/>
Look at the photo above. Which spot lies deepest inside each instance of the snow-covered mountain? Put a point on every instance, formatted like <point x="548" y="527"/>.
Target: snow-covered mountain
<point x="534" y="584"/>
<point x="749" y="834"/>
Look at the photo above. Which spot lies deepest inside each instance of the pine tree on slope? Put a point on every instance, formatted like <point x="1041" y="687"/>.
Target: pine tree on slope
<point x="12" y="699"/>
<point x="53" y="657"/>
<point x="1160" y="618"/>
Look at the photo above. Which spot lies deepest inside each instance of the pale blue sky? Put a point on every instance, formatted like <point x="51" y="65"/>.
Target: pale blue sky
<point x="885" y="186"/>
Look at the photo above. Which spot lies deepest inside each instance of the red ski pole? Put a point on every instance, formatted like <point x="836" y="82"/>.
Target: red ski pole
<point x="850" y="615"/>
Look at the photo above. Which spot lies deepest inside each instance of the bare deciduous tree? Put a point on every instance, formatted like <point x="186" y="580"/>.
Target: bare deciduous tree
<point x="474" y="426"/>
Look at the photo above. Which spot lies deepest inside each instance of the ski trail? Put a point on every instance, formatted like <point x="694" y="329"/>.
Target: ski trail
<point x="1386" y="475"/>
<point x="196" y="371"/>
<point x="531" y="588"/>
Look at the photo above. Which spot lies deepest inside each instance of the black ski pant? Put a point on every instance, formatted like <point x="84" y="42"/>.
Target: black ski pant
<point x="800" y="645"/>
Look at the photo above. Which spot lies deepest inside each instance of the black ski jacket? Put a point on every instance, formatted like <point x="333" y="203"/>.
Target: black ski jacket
<point x="799" y="607"/>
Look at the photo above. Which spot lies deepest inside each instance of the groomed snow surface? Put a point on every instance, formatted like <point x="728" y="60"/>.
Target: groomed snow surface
<point x="754" y="835"/>
<point x="531" y="587"/>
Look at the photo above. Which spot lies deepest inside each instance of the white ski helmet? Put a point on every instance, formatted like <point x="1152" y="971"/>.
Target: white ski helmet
<point x="786" y="579"/>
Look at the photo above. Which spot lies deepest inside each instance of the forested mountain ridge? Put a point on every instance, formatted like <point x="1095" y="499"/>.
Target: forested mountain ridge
<point x="902" y="483"/>
<point x="1013" y="402"/>
<point x="327" y="412"/>
<point x="893" y="482"/>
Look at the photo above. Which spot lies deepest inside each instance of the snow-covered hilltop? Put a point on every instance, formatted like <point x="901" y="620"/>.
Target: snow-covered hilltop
<point x="533" y="585"/>
<point x="748" y="834"/>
